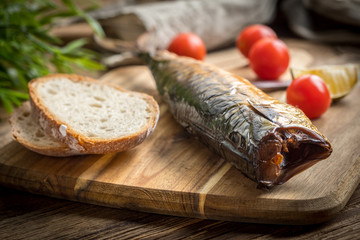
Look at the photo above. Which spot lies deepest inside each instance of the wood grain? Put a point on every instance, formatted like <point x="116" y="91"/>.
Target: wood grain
<point x="28" y="216"/>
<point x="171" y="173"/>
<point x="174" y="174"/>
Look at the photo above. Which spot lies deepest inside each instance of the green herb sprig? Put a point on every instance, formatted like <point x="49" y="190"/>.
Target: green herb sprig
<point x="28" y="50"/>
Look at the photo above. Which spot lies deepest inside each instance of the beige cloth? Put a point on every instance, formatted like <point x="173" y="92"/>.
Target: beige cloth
<point x="324" y="20"/>
<point x="217" y="22"/>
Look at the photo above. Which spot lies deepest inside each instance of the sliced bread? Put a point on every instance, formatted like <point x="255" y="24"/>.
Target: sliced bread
<point x="27" y="132"/>
<point x="90" y="116"/>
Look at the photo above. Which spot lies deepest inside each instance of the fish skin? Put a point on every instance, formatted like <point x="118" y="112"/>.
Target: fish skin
<point x="267" y="140"/>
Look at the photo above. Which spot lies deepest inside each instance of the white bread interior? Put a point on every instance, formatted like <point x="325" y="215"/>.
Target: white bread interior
<point x="90" y="116"/>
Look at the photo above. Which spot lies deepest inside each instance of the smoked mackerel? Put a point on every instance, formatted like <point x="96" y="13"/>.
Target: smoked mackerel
<point x="267" y="140"/>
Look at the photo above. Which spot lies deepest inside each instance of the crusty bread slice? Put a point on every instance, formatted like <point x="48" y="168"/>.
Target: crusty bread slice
<point x="27" y="132"/>
<point x="90" y="116"/>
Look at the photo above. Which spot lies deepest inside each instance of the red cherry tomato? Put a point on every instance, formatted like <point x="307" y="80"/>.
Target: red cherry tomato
<point x="188" y="44"/>
<point x="269" y="58"/>
<point x="310" y="94"/>
<point x="251" y="34"/>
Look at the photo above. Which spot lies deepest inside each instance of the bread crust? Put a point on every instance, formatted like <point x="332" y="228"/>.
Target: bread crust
<point x="56" y="151"/>
<point x="81" y="143"/>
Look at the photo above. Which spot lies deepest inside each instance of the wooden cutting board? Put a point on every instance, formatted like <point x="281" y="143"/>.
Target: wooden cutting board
<point x="172" y="173"/>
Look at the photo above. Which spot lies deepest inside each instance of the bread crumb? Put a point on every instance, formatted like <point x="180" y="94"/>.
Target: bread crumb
<point x="62" y="130"/>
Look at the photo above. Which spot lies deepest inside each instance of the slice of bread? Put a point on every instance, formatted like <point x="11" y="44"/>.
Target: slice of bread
<point x="27" y="132"/>
<point x="90" y="116"/>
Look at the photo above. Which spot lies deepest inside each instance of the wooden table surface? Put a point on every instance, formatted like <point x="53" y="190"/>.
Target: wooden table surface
<point x="27" y="216"/>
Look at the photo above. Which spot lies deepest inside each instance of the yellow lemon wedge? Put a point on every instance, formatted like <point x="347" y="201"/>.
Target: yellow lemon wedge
<point x="340" y="79"/>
